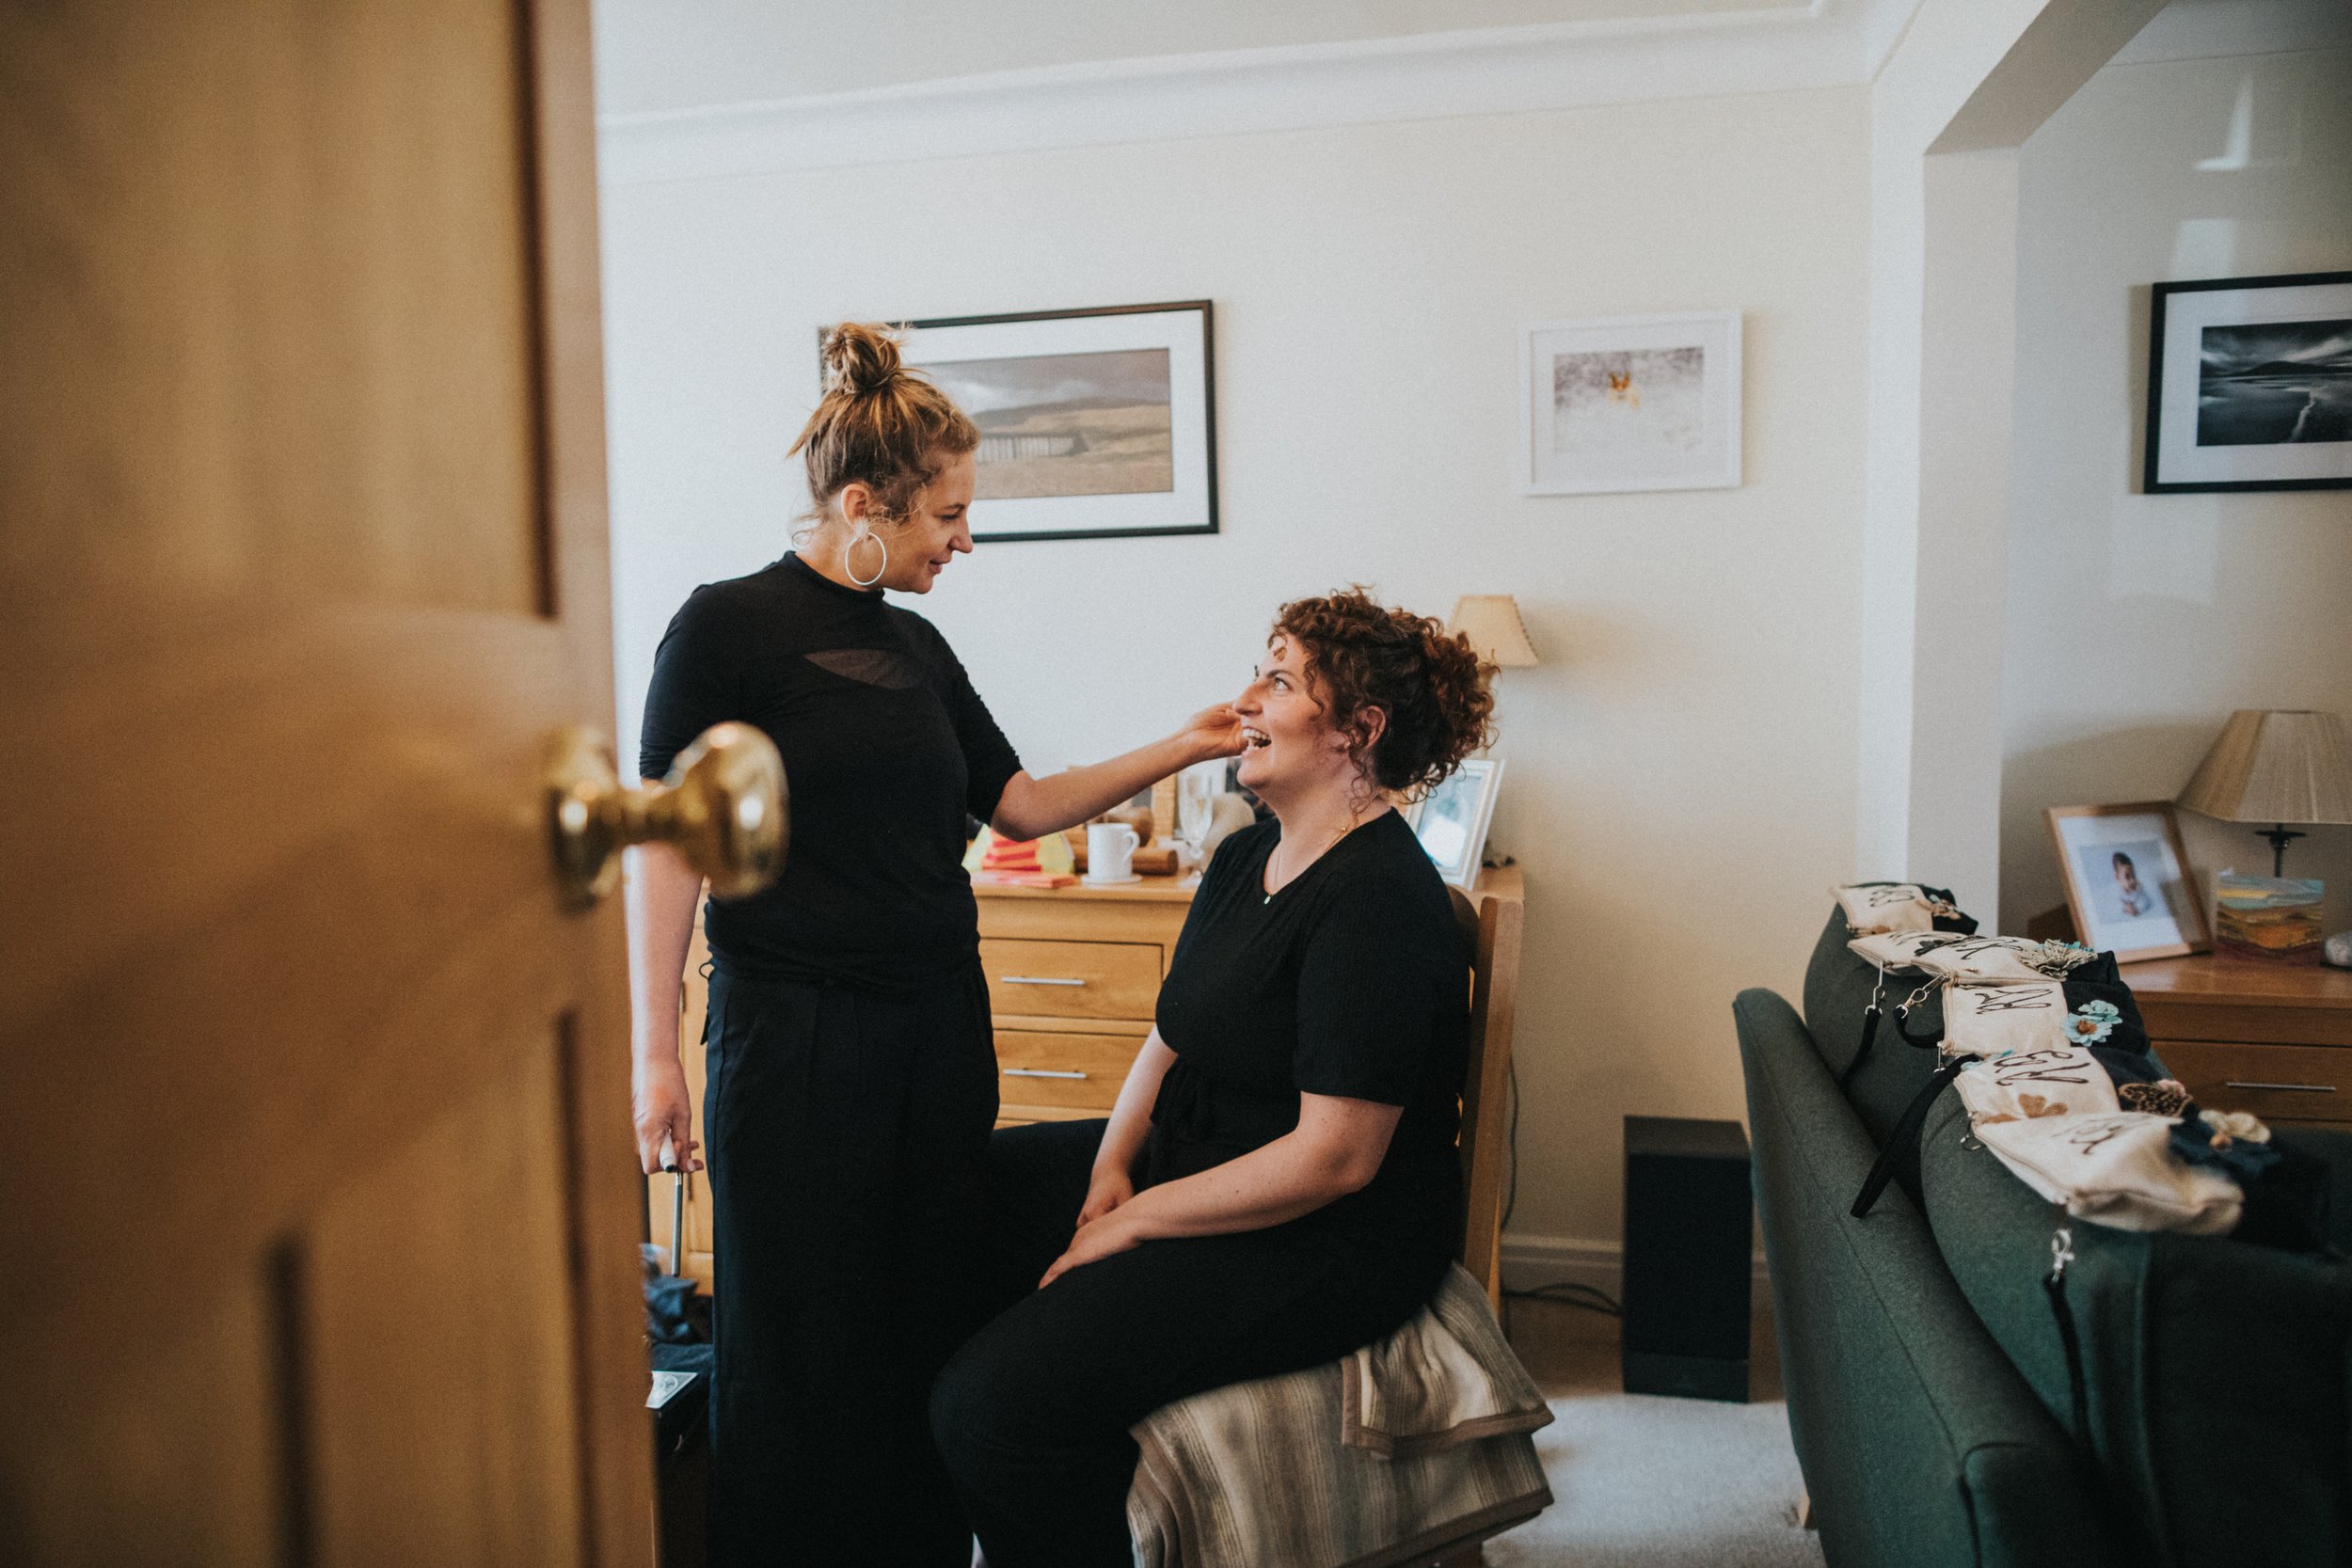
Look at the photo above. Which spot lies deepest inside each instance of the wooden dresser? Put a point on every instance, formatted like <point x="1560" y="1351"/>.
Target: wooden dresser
<point x="1074" y="974"/>
<point x="2246" y="1036"/>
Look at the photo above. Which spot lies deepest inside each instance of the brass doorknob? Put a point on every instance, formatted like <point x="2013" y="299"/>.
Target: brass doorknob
<point x="723" y="805"/>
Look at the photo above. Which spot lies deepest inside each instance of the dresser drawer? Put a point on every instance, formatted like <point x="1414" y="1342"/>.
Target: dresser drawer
<point x="2171" y="1017"/>
<point x="1072" y="979"/>
<point x="1041" y="1067"/>
<point x="2277" y="1083"/>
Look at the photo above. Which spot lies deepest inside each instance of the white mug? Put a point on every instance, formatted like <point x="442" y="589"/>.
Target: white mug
<point x="1110" y="852"/>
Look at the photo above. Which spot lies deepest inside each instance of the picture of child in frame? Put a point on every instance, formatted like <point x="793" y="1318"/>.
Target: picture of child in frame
<point x="2120" y="880"/>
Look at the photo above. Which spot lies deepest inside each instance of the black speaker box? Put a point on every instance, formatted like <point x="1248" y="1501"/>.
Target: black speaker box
<point x="1688" y="1234"/>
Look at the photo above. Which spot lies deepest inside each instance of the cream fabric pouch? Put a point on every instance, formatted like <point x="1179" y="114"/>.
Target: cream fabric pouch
<point x="1898" y="949"/>
<point x="2019" y="1015"/>
<point x="1874" y="908"/>
<point x="2116" y="1169"/>
<point x="1977" y="960"/>
<point x="2026" y="1086"/>
<point x="1973" y="961"/>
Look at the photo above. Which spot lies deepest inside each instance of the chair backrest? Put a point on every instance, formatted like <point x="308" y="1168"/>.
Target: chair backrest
<point x="1491" y="919"/>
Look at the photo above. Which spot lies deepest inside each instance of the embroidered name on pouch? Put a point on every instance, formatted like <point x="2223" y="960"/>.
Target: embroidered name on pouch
<point x="1900" y="949"/>
<point x="2045" y="1067"/>
<point x="1987" y="1021"/>
<point x="2028" y="1086"/>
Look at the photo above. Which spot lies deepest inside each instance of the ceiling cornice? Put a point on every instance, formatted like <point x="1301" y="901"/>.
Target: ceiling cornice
<point x="1424" y="76"/>
<point x="2220" y="29"/>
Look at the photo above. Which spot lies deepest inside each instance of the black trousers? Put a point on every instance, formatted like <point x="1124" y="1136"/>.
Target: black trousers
<point x="1032" y="1415"/>
<point x="847" y="1141"/>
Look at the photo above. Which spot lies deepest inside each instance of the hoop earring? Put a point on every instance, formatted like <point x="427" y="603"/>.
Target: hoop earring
<point x="864" y="533"/>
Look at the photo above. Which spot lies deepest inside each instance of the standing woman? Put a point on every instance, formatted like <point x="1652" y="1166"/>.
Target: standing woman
<point x="851" y="1076"/>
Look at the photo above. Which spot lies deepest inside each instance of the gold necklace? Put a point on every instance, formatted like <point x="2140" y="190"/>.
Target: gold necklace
<point x="1353" y="823"/>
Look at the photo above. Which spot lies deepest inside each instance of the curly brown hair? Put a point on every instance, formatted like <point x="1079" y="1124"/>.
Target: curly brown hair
<point x="1430" y="683"/>
<point x="879" y="424"/>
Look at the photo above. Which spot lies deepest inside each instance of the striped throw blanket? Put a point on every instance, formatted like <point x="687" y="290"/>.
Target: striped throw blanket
<point x="1407" y="1449"/>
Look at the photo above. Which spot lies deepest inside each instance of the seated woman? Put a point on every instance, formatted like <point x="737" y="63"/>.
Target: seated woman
<point x="1277" y="1185"/>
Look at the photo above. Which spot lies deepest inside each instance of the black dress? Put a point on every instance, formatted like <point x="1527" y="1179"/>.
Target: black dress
<point x="851" y="1078"/>
<point x="1351" y="981"/>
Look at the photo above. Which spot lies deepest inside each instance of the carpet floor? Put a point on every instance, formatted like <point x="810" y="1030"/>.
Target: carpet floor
<point x="1646" y="1482"/>
<point x="1642" y="1482"/>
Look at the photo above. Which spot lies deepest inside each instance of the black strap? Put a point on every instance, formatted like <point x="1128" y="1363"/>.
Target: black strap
<point x="1905" y="1135"/>
<point x="1862" y="1052"/>
<point x="2054" y="1286"/>
<point x="1924" y="1042"/>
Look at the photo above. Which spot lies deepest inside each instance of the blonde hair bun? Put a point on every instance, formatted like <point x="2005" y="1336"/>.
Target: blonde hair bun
<point x="859" y="359"/>
<point x="880" y="423"/>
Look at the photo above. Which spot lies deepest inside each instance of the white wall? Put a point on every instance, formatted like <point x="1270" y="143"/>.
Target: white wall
<point x="2136" y="622"/>
<point x="1969" y="81"/>
<point x="1681" y="767"/>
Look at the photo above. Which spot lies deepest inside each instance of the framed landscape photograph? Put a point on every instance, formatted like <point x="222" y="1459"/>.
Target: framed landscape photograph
<point x="2127" y="881"/>
<point x="2250" y="384"/>
<point x="1093" y="423"/>
<point x="1451" y="820"/>
<point x="1634" y="403"/>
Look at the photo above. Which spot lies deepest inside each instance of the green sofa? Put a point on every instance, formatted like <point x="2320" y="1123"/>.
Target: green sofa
<point x="1928" y="1393"/>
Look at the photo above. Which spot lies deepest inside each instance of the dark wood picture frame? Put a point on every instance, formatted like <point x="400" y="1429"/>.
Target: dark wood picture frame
<point x="2161" y="295"/>
<point x="1207" y="417"/>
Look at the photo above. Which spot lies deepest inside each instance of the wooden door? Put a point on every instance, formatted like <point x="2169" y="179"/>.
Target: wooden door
<point x="319" y="1212"/>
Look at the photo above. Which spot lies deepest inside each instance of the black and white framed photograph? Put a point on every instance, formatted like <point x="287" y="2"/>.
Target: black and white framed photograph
<point x="1451" y="820"/>
<point x="1093" y="423"/>
<point x="2250" y="384"/>
<point x="1634" y="403"/>
<point x="2127" y="883"/>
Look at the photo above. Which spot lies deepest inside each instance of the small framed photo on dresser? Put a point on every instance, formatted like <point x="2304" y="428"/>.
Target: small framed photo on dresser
<point x="2127" y="883"/>
<point x="2250" y="384"/>
<point x="1451" y="820"/>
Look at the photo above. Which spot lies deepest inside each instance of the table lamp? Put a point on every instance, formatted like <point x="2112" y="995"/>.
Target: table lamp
<point x="2276" y="766"/>
<point x="1492" y="624"/>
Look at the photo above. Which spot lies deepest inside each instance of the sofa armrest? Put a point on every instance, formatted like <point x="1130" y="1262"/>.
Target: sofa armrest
<point x="1920" y="1443"/>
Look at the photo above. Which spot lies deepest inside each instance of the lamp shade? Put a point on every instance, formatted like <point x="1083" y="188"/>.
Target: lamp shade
<point x="2272" y="766"/>
<point x="1492" y="624"/>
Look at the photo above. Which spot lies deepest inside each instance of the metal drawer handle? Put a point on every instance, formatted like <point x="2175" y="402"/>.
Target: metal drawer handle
<point x="1040" y="1072"/>
<point x="1036" y="980"/>
<point x="2291" y="1088"/>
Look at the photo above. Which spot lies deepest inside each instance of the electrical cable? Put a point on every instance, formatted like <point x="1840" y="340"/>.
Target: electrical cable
<point x="1592" y="1298"/>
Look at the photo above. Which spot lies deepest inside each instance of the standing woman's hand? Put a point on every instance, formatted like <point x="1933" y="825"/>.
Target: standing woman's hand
<point x="1213" y="731"/>
<point x="663" y="1110"/>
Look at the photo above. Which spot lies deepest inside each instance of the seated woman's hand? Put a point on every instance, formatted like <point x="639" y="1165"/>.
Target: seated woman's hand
<point x="1106" y="1191"/>
<point x="1096" y="1240"/>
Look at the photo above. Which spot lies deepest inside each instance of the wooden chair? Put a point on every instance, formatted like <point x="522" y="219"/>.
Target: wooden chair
<point x="1491" y="918"/>
<point x="1493" y="921"/>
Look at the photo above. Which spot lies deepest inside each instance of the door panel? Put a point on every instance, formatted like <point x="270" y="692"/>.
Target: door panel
<point x="305" y="270"/>
<point x="396" y="1337"/>
<point x="168" y="1458"/>
<point x="326" y="1253"/>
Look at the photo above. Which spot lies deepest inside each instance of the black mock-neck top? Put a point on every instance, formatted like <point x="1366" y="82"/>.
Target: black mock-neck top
<point x="886" y="748"/>
<point x="1353" y="980"/>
